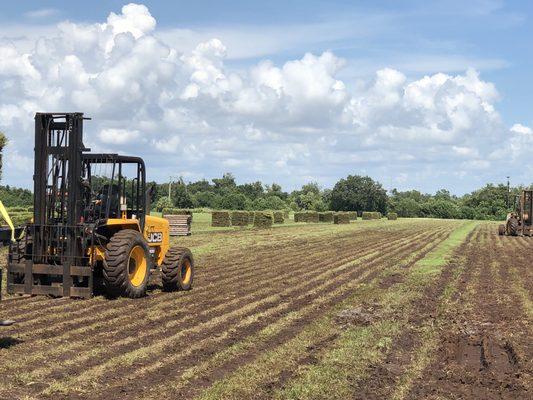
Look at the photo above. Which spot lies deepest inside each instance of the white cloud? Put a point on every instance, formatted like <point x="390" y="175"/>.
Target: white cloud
<point x="42" y="13"/>
<point x="289" y="120"/>
<point x="170" y="145"/>
<point x="521" y="129"/>
<point x="117" y="136"/>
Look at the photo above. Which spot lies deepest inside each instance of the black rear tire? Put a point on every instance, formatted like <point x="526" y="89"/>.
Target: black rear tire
<point x="177" y="270"/>
<point x="127" y="265"/>
<point x="512" y="226"/>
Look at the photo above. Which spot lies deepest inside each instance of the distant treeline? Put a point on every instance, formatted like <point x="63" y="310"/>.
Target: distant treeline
<point x="354" y="193"/>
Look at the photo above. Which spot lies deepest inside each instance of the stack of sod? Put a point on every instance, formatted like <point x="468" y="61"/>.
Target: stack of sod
<point x="371" y="215"/>
<point x="278" y="217"/>
<point x="220" y="218"/>
<point x="239" y="218"/>
<point x="325" y="216"/>
<point x="298" y="217"/>
<point x="392" y="216"/>
<point x="311" y="216"/>
<point x="176" y="211"/>
<point x="263" y="219"/>
<point x="251" y="217"/>
<point x="341" y="218"/>
<point x="353" y="215"/>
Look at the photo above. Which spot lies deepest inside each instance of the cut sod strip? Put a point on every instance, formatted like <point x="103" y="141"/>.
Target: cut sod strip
<point x="352" y="350"/>
<point x="160" y="346"/>
<point x="254" y="341"/>
<point x="36" y="373"/>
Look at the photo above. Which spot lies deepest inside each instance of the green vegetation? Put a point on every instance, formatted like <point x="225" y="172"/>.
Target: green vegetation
<point x="353" y="194"/>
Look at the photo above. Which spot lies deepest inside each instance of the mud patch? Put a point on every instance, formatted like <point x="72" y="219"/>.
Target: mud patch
<point x="391" y="280"/>
<point x="362" y="315"/>
<point x="481" y="353"/>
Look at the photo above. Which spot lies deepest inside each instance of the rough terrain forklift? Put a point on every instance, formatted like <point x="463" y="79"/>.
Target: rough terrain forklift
<point x="91" y="229"/>
<point x="519" y="222"/>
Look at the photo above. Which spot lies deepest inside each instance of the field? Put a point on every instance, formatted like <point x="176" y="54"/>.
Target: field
<point x="407" y="309"/>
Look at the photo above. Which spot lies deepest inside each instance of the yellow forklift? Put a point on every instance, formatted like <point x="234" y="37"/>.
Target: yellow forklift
<point x="91" y="231"/>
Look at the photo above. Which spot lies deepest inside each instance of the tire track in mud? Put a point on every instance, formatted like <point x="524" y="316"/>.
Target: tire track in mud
<point x="477" y="358"/>
<point x="382" y="378"/>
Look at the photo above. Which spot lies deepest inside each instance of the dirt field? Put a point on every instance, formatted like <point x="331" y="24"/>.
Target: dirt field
<point x="407" y="309"/>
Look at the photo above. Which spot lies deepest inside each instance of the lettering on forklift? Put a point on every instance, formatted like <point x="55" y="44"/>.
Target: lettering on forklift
<point x="155" y="237"/>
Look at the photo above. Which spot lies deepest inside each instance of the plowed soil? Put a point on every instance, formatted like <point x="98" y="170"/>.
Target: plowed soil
<point x="270" y="310"/>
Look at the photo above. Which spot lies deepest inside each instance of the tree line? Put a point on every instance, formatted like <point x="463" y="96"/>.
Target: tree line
<point x="353" y="193"/>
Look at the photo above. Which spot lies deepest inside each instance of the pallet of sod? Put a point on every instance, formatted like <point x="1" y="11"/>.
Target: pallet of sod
<point x="239" y="218"/>
<point x="220" y="219"/>
<point x="306" y="216"/>
<point x="353" y="215"/>
<point x="326" y="216"/>
<point x="263" y="219"/>
<point x="392" y="216"/>
<point x="368" y="215"/>
<point x="179" y="224"/>
<point x="278" y="217"/>
<point x="341" y="218"/>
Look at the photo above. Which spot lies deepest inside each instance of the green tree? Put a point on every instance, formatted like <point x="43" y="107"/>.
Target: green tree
<point x="269" y="203"/>
<point x="226" y="182"/>
<point x="358" y="193"/>
<point x="233" y="201"/>
<point x="181" y="198"/>
<point x="163" y="203"/>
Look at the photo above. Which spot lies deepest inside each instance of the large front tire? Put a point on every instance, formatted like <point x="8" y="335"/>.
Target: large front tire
<point x="177" y="271"/>
<point x="127" y="265"/>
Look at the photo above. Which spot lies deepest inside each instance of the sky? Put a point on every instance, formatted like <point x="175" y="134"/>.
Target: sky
<point x="416" y="94"/>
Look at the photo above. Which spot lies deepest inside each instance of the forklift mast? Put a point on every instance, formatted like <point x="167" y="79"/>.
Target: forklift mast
<point x="57" y="191"/>
<point x="72" y="206"/>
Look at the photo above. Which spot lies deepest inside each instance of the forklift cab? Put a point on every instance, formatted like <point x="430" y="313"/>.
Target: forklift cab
<point x="114" y="187"/>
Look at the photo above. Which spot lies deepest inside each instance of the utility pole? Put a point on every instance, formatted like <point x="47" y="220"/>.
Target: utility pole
<point x="508" y="191"/>
<point x="169" y="187"/>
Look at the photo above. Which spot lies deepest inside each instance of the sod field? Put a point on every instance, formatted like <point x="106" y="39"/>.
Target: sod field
<point x="371" y="309"/>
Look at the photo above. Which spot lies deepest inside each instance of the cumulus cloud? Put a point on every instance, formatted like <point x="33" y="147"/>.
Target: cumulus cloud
<point x="285" y="121"/>
<point x="117" y="136"/>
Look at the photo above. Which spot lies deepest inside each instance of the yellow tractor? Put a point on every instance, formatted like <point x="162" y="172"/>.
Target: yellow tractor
<point x="92" y="230"/>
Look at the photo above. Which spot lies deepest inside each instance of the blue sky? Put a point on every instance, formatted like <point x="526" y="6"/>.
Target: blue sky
<point x="416" y="94"/>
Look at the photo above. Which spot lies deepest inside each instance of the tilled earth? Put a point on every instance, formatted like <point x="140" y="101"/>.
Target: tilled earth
<point x="270" y="308"/>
